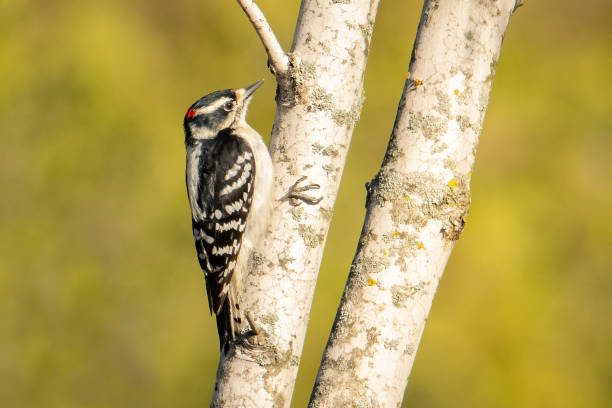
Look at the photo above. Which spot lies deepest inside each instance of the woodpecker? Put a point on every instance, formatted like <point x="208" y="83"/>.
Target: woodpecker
<point x="229" y="177"/>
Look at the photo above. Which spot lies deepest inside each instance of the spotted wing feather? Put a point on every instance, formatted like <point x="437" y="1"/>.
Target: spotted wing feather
<point x="225" y="194"/>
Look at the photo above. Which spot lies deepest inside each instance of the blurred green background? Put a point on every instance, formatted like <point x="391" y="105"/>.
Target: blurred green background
<point x="102" y="302"/>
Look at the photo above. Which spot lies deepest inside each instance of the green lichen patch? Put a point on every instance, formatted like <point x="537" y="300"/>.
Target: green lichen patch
<point x="328" y="168"/>
<point x="372" y="334"/>
<point x="321" y="100"/>
<point x="363" y="267"/>
<point x="347" y="118"/>
<point x="316" y="147"/>
<point x="432" y="127"/>
<point x="275" y="361"/>
<point x="283" y="261"/>
<point x="301" y="73"/>
<point x="401" y="293"/>
<point x="450" y="164"/>
<point x="463" y="122"/>
<point x="386" y="186"/>
<point x="443" y="106"/>
<point x="410" y="349"/>
<point x="465" y="97"/>
<point x="331" y="151"/>
<point x="393" y="152"/>
<point x="403" y="246"/>
<point x="418" y="197"/>
<point x="311" y="239"/>
<point x="307" y="70"/>
<point x="342" y="323"/>
<point x="438" y="147"/>
<point x="297" y="213"/>
<point x="367" y="29"/>
<point x="342" y="371"/>
<point x="391" y="344"/>
<point x="256" y="261"/>
<point x="326" y="213"/>
<point x="453" y="228"/>
<point x="282" y="153"/>
<point x="270" y="319"/>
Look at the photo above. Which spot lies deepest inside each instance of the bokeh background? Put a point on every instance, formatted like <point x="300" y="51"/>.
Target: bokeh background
<point x="102" y="303"/>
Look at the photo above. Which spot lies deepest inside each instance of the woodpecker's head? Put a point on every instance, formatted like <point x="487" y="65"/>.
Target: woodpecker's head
<point x="217" y="111"/>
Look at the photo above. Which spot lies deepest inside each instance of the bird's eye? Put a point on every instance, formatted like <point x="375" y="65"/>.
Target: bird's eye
<point x="228" y="106"/>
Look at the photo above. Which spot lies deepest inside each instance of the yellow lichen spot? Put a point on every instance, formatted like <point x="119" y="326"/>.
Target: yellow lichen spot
<point x="395" y="234"/>
<point x="420" y="245"/>
<point x="384" y="252"/>
<point x="406" y="198"/>
<point x="456" y="92"/>
<point x="417" y="81"/>
<point x="469" y="174"/>
<point x="371" y="282"/>
<point x="452" y="183"/>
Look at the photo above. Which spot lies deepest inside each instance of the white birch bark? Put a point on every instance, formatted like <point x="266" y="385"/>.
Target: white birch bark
<point x="416" y="205"/>
<point x="319" y="99"/>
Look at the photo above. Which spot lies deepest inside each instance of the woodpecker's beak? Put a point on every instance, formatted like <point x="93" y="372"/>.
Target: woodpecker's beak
<point x="243" y="97"/>
<point x="248" y="92"/>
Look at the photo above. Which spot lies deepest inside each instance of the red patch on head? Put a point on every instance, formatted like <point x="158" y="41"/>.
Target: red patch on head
<point x="190" y="113"/>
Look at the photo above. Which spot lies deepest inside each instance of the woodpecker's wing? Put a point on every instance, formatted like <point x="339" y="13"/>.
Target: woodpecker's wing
<point x="225" y="192"/>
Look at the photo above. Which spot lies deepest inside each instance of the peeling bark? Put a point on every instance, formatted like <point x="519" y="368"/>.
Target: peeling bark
<point x="319" y="98"/>
<point x="416" y="205"/>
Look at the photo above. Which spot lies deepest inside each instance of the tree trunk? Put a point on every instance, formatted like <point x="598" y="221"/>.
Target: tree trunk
<point x="319" y="98"/>
<point x="416" y="205"/>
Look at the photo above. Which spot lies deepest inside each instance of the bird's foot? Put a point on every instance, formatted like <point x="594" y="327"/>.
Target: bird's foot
<point x="253" y="338"/>
<point x="294" y="195"/>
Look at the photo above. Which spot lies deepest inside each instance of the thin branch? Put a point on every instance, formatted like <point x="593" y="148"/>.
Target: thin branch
<point x="277" y="59"/>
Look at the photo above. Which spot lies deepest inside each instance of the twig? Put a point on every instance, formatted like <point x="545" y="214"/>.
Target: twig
<point x="277" y="59"/>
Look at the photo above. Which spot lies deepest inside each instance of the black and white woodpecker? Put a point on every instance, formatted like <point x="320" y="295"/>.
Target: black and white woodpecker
<point x="229" y="178"/>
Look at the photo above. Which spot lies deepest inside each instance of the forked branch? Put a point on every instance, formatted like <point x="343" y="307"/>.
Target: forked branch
<point x="277" y="59"/>
<point x="279" y="286"/>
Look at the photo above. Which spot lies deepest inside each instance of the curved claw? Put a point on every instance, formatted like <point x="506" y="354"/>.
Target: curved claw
<point x="294" y="195"/>
<point x="252" y="339"/>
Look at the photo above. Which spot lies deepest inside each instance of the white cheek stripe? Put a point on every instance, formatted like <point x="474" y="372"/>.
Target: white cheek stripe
<point x="213" y="107"/>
